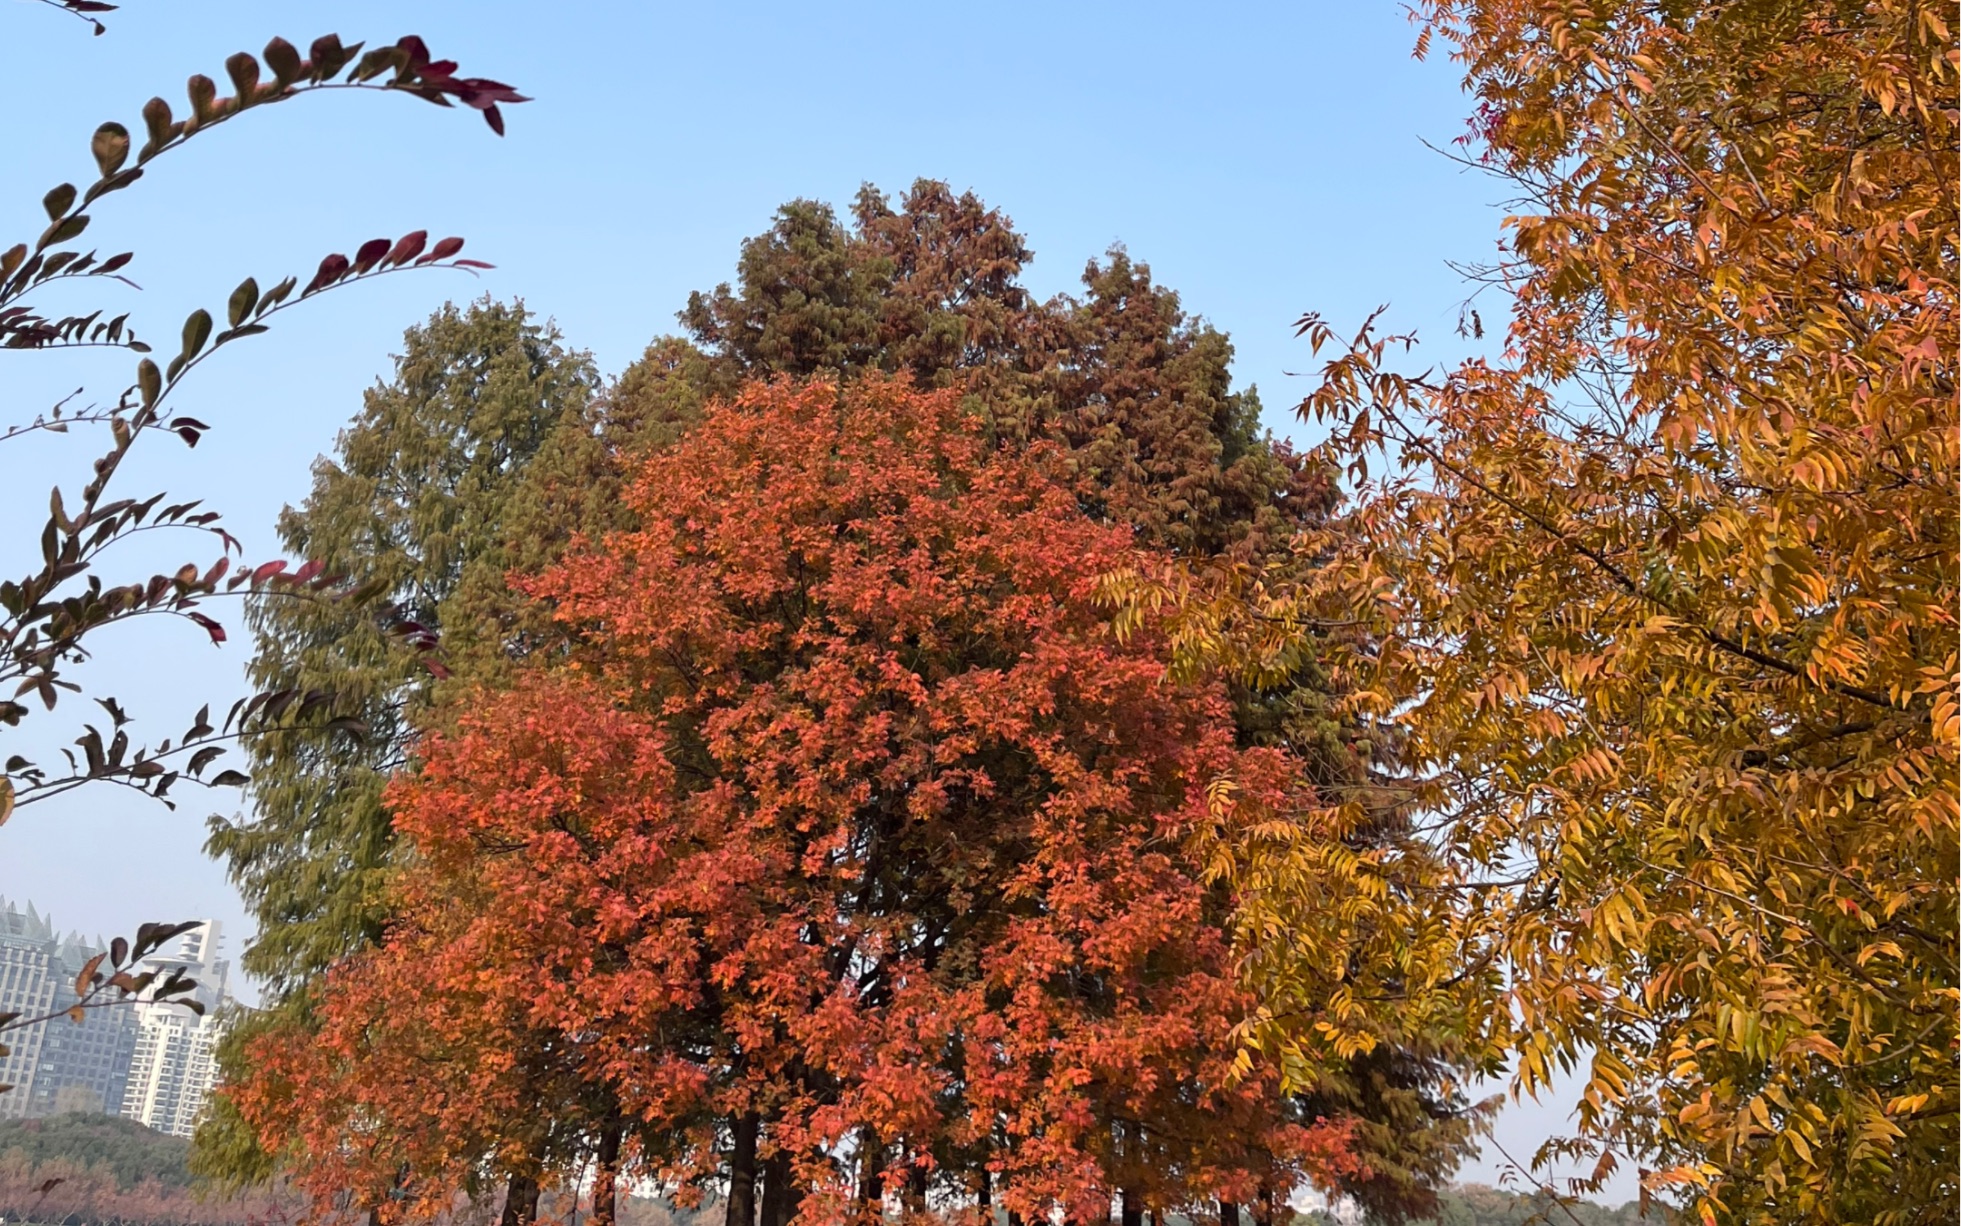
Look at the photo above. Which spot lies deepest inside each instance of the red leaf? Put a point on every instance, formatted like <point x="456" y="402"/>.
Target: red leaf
<point x="212" y="628"/>
<point x="408" y="247"/>
<point x="370" y="254"/>
<point x="332" y="269"/>
<point x="445" y="249"/>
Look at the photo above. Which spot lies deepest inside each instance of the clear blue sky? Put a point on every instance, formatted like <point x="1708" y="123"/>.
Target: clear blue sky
<point x="1265" y="159"/>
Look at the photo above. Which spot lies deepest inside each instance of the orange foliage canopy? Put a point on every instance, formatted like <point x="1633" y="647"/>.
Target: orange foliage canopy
<point x="841" y="822"/>
<point x="1659" y="609"/>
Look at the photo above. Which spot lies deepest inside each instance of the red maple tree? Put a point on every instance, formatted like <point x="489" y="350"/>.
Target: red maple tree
<point x="840" y="854"/>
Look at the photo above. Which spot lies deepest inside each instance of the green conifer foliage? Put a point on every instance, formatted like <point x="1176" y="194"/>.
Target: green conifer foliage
<point x="414" y="504"/>
<point x="809" y="300"/>
<point x="417" y="503"/>
<point x="1138" y="391"/>
<point x="1142" y="394"/>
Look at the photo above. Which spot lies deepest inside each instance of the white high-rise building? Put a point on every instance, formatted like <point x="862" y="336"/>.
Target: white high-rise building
<point x="59" y="1064"/>
<point x="27" y="990"/>
<point x="173" y="1069"/>
<point x="174" y="1065"/>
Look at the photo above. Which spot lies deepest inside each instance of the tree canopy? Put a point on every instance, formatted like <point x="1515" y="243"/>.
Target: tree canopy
<point x="843" y="845"/>
<point x="1661" y="604"/>
<point x="412" y="509"/>
<point x="1137" y="390"/>
<point x="908" y="743"/>
<point x="1132" y="395"/>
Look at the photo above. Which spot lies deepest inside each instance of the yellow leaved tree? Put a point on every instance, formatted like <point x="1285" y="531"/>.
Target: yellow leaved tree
<point x="1652" y="622"/>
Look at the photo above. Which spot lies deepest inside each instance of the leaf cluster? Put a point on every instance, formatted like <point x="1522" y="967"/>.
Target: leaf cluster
<point x="1661" y="604"/>
<point x="486" y="455"/>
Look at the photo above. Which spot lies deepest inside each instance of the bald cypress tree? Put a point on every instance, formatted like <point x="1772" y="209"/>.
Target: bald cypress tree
<point x="1139" y="392"/>
<point x="411" y="506"/>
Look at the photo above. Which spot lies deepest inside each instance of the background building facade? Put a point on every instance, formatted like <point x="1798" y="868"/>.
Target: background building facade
<point x="151" y="1062"/>
<point x="27" y="989"/>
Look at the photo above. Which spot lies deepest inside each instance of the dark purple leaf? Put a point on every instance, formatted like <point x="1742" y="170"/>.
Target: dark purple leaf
<point x="408" y="247"/>
<point x="370" y="254"/>
<point x="332" y="269"/>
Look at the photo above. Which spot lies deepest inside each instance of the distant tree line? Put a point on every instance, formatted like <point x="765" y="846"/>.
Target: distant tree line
<point x="1478" y="1205"/>
<point x="99" y="1170"/>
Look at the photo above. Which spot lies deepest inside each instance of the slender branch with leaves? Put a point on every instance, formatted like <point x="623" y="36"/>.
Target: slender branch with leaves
<point x="52" y="614"/>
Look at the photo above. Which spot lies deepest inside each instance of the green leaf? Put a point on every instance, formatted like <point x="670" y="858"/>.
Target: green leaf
<point x="374" y="63"/>
<point x="149" y="381"/>
<point x="243" y="330"/>
<point x="243" y="299"/>
<point x="276" y="295"/>
<point x="197" y="330"/>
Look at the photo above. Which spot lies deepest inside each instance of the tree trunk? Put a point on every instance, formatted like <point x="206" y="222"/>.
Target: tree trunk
<point x="1133" y="1208"/>
<point x="984" y="1194"/>
<point x="781" y="1195"/>
<point x="606" y="1174"/>
<point x="916" y="1180"/>
<point x="871" y="1172"/>
<point x="1228" y="1213"/>
<point x="742" y="1171"/>
<point x="520" y="1201"/>
<point x="1263" y="1208"/>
